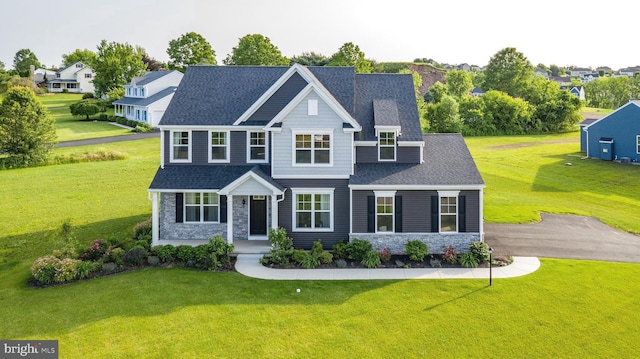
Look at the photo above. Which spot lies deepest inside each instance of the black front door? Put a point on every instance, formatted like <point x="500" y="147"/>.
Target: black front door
<point x="258" y="216"/>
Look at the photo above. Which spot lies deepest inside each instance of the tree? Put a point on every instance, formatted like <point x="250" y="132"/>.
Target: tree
<point x="1" y="66"/>
<point x="436" y="92"/>
<point x="190" y="49"/>
<point x="508" y="115"/>
<point x="310" y="59"/>
<point x="558" y="113"/>
<point x="459" y="83"/>
<point x="27" y="131"/>
<point x="87" y="107"/>
<point x="508" y="71"/>
<point x="85" y="56"/>
<point x="23" y="60"/>
<point x="116" y="65"/>
<point x="444" y="116"/>
<point x="256" y="50"/>
<point x="350" y="55"/>
<point x="152" y="64"/>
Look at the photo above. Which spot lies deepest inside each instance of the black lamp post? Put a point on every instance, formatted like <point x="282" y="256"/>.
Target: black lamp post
<point x="490" y="265"/>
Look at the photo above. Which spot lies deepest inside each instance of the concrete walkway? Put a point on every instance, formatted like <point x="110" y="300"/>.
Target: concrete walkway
<point x="249" y="265"/>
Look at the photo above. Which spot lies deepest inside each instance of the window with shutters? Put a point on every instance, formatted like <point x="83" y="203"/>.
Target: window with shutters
<point x="201" y="207"/>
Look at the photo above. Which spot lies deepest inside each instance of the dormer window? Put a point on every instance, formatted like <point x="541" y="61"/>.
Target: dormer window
<point x="387" y="146"/>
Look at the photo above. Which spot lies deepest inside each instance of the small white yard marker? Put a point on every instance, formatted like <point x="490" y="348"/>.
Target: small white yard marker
<point x="298" y="290"/>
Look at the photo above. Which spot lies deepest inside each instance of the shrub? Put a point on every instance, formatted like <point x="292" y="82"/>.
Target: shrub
<point x="309" y="260"/>
<point x="480" y="251"/>
<point x="166" y="253"/>
<point x="135" y="256"/>
<point x="103" y="117"/>
<point x="298" y="256"/>
<point x="115" y="255"/>
<point x="416" y="250"/>
<point x="84" y="269"/>
<point x="281" y="246"/>
<point x="385" y="254"/>
<point x="201" y="255"/>
<point x="468" y="260"/>
<point x="87" y="95"/>
<point x="371" y="260"/>
<point x="142" y="230"/>
<point x="95" y="251"/>
<point x="357" y="249"/>
<point x="450" y="255"/>
<point x="43" y="269"/>
<point x="143" y="127"/>
<point x="325" y="257"/>
<point x="317" y="248"/>
<point x="340" y="249"/>
<point x="219" y="248"/>
<point x="184" y="253"/>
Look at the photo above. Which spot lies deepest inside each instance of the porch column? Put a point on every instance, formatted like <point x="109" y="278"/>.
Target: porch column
<point x="229" y="219"/>
<point x="155" y="228"/>
<point x="274" y="211"/>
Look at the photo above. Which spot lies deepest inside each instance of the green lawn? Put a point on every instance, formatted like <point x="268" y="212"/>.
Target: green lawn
<point x="526" y="175"/>
<point x="568" y="309"/>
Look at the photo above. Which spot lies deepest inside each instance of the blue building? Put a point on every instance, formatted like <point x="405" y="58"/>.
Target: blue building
<point x="615" y="137"/>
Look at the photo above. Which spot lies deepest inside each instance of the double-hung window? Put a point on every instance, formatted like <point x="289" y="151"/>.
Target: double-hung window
<point x="201" y="207"/>
<point x="312" y="209"/>
<point x="638" y="144"/>
<point x="180" y="146"/>
<point x="313" y="148"/>
<point x="387" y="146"/>
<point x="219" y="142"/>
<point x="448" y="213"/>
<point x="257" y="147"/>
<point x="384" y="212"/>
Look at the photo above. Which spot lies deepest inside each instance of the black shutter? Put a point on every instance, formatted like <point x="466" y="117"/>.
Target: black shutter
<point x="398" y="210"/>
<point x="179" y="207"/>
<point x="462" y="210"/>
<point x="434" y="214"/>
<point x="371" y="214"/>
<point x="223" y="209"/>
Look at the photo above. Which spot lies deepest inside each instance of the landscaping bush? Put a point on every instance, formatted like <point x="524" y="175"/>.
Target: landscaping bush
<point x="201" y="255"/>
<point x="84" y="269"/>
<point x="115" y="255"/>
<point x="309" y="261"/>
<point x="358" y="249"/>
<point x="135" y="256"/>
<point x="468" y="260"/>
<point x="281" y="246"/>
<point x="184" y="253"/>
<point x="385" y="254"/>
<point x="340" y="250"/>
<point x="87" y="95"/>
<point x="143" y="127"/>
<point x="95" y="251"/>
<point x="416" y="250"/>
<point x="220" y="249"/>
<point x="325" y="257"/>
<point x="142" y="231"/>
<point x="371" y="260"/>
<point x="103" y="117"/>
<point x="480" y="251"/>
<point x="50" y="269"/>
<point x="298" y="255"/>
<point x="450" y="255"/>
<point x="166" y="253"/>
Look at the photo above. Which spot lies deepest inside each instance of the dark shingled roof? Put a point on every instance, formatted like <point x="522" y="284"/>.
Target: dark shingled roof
<point x="399" y="88"/>
<point x="447" y="161"/>
<point x="385" y="113"/>
<point x="145" y="101"/>
<point x="180" y="177"/>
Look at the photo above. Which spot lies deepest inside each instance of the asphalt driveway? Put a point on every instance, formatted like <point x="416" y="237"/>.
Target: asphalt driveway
<point x="564" y="236"/>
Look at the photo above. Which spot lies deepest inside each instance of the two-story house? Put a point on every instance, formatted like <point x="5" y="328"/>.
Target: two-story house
<point x="75" y="78"/>
<point x="146" y="98"/>
<point x="323" y="152"/>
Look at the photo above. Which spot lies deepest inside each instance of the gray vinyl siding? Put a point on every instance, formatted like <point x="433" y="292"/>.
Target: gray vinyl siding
<point x="238" y="150"/>
<point x="298" y="119"/>
<point x="472" y="199"/>
<point x="416" y="210"/>
<point x="200" y="147"/>
<point x="341" y="215"/>
<point x="369" y="154"/>
<point x="279" y="99"/>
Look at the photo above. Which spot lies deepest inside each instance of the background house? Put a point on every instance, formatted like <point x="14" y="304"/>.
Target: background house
<point x="577" y="91"/>
<point x="615" y="136"/>
<point x="147" y="97"/>
<point x="75" y="78"/>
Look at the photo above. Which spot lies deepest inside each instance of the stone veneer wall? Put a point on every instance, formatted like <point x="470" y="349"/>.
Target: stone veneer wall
<point x="435" y="241"/>
<point x="170" y="230"/>
<point x="240" y="217"/>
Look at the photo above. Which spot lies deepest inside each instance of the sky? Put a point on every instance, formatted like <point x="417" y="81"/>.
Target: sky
<point x="565" y="33"/>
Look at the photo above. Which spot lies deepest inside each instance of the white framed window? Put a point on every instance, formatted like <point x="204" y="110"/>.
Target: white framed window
<point x="135" y="91"/>
<point x="219" y="146"/>
<point x="180" y="146"/>
<point x="385" y="203"/>
<point x="57" y="76"/>
<point x="448" y="211"/>
<point x="257" y="147"/>
<point x="88" y="76"/>
<point x="312" y="209"/>
<point x="138" y="115"/>
<point x="201" y="207"/>
<point x="638" y="144"/>
<point x="55" y="85"/>
<point x="387" y="146"/>
<point x="128" y="91"/>
<point x="312" y="148"/>
<point x="142" y="92"/>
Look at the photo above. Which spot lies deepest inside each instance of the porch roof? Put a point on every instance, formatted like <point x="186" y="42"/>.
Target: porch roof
<point x="205" y="177"/>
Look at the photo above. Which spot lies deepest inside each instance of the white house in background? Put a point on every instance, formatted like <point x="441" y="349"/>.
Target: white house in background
<point x="577" y="91"/>
<point x="580" y="71"/>
<point x="147" y="97"/>
<point x="76" y="78"/>
<point x="40" y="75"/>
